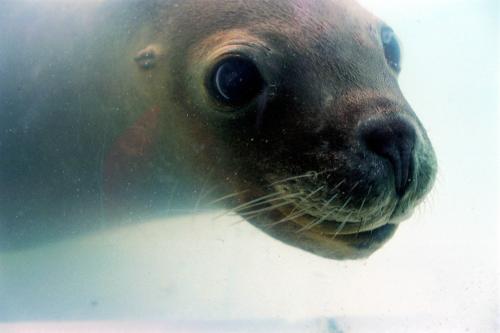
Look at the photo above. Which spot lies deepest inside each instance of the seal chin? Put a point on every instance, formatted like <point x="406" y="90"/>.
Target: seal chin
<point x="327" y="236"/>
<point x="345" y="245"/>
<point x="336" y="222"/>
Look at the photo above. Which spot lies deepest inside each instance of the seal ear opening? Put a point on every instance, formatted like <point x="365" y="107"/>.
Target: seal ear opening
<point x="148" y="57"/>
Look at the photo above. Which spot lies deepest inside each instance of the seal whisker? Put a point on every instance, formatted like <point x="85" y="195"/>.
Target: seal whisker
<point x="293" y="214"/>
<point x="320" y="220"/>
<point x="258" y="212"/>
<point x="308" y="174"/>
<point x="262" y="201"/>
<point x="227" y="196"/>
<point x="350" y="193"/>
<point x="317" y="222"/>
<point x="254" y="203"/>
<point x="354" y="186"/>
<point x="345" y="203"/>
<point x="361" y="225"/>
<point x="200" y="192"/>
<point x="342" y="225"/>
<point x="266" y="208"/>
<point x="307" y="197"/>
<point x="203" y="194"/>
<point x="314" y="192"/>
<point x="248" y="203"/>
<point x="262" y="204"/>
<point x="287" y="218"/>
<point x="336" y="194"/>
<point x="338" y="184"/>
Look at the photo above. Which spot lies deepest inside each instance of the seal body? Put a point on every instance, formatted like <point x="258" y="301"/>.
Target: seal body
<point x="285" y="112"/>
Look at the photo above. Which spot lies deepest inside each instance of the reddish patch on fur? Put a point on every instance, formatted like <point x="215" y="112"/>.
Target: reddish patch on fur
<point x="126" y="163"/>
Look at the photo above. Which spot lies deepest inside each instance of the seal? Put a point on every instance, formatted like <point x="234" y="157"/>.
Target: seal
<point x="288" y="113"/>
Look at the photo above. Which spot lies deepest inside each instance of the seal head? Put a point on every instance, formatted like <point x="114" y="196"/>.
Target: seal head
<point x="296" y="108"/>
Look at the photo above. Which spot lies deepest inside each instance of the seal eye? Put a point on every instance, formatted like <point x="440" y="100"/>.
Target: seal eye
<point x="392" y="50"/>
<point x="235" y="81"/>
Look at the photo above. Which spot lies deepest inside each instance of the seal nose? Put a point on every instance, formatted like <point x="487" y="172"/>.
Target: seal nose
<point x="394" y="140"/>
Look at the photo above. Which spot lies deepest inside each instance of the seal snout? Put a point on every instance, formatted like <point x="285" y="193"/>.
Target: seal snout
<point x="394" y="140"/>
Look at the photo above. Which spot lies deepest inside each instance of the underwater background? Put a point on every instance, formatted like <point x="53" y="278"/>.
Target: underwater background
<point x="439" y="273"/>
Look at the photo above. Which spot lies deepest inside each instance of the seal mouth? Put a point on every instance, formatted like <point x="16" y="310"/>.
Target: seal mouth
<point x="350" y="233"/>
<point x="310" y="211"/>
<point x="329" y="226"/>
<point x="338" y="219"/>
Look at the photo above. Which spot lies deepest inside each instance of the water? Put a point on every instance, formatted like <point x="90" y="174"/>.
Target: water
<point x="439" y="273"/>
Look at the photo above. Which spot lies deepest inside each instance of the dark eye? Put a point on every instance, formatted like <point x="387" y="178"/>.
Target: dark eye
<point x="392" y="50"/>
<point x="235" y="81"/>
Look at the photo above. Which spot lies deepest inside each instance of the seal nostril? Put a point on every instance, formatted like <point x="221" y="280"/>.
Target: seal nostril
<point x="394" y="140"/>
